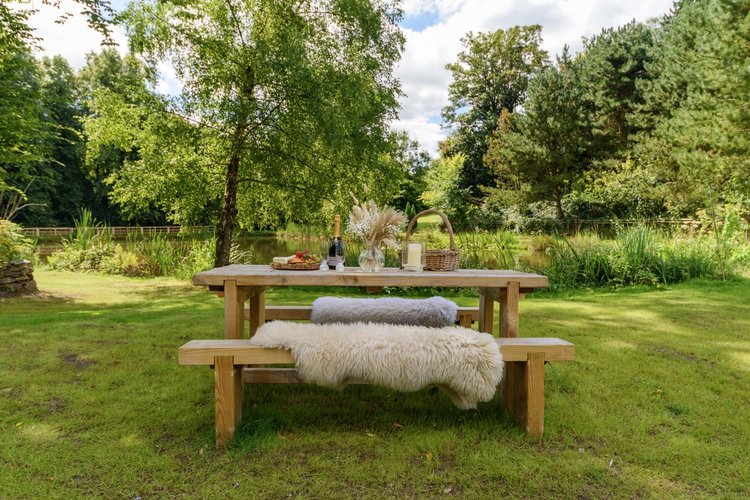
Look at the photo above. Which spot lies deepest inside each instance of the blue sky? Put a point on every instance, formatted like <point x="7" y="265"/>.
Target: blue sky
<point x="433" y="29"/>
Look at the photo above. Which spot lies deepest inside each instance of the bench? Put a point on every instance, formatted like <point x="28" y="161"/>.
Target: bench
<point x="523" y="383"/>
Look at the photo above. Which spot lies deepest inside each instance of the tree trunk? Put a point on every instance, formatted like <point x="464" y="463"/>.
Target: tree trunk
<point x="558" y="207"/>
<point x="228" y="211"/>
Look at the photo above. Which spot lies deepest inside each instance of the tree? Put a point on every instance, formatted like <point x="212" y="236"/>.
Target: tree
<point x="288" y="98"/>
<point x="55" y="182"/>
<point x="543" y="149"/>
<point x="415" y="162"/>
<point x="115" y="97"/>
<point x="491" y="74"/>
<point x="443" y="190"/>
<point x="21" y="126"/>
<point x="612" y="72"/>
<point x="699" y="147"/>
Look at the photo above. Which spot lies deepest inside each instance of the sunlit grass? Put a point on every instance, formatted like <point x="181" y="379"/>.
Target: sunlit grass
<point x="93" y="403"/>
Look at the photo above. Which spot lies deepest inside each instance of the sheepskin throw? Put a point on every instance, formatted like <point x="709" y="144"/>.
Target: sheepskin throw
<point x="465" y="364"/>
<point x="435" y="311"/>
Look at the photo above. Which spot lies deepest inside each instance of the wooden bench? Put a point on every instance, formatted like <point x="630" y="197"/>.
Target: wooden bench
<point x="464" y="317"/>
<point x="523" y="386"/>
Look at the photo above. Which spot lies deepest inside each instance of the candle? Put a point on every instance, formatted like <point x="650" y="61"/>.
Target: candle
<point x="414" y="257"/>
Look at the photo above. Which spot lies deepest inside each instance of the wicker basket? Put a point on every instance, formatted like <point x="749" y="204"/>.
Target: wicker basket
<point x="437" y="260"/>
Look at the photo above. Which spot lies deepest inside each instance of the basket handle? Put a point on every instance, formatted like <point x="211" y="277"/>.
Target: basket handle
<point x="431" y="211"/>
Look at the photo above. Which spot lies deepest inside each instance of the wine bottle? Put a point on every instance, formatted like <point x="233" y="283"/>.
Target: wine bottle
<point x="336" y="250"/>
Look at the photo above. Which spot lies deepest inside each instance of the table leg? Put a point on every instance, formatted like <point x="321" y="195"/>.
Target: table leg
<point x="234" y="304"/>
<point x="509" y="310"/>
<point x="486" y="312"/>
<point x="257" y="311"/>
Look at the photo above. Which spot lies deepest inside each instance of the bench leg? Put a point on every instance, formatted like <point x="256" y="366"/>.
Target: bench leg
<point x="486" y="313"/>
<point x="228" y="393"/>
<point x="524" y="392"/>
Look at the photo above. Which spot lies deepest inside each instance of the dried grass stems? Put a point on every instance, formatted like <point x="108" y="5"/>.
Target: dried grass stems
<point x="375" y="226"/>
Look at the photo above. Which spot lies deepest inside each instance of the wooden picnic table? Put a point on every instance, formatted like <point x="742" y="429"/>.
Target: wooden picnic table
<point x="240" y="283"/>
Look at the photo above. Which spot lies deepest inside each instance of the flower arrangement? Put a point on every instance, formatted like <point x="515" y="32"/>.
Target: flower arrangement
<point x="375" y="226"/>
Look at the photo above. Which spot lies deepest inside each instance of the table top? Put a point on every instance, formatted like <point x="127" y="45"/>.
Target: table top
<point x="262" y="275"/>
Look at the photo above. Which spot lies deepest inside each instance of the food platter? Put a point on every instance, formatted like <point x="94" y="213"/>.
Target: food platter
<point x="300" y="266"/>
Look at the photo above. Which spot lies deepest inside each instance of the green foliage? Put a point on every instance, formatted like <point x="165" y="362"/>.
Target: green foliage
<point x="22" y="130"/>
<point x="13" y="244"/>
<point x="543" y="150"/>
<point x="491" y="74"/>
<point x="286" y="101"/>
<point x="483" y="249"/>
<point x="92" y="248"/>
<point x="443" y="190"/>
<point x="638" y="256"/>
<point x="699" y="148"/>
<point x="612" y="73"/>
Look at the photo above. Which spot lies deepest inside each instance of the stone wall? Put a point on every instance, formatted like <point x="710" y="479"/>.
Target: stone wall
<point x="17" y="278"/>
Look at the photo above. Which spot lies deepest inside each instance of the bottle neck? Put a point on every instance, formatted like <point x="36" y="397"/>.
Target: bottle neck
<point x="337" y="227"/>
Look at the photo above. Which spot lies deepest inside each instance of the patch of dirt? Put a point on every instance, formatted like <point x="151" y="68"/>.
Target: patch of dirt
<point x="72" y="359"/>
<point x="682" y="356"/>
<point x="55" y="405"/>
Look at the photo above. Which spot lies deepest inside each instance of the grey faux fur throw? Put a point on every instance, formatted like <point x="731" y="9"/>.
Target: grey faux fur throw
<point x="435" y="311"/>
<point x="465" y="364"/>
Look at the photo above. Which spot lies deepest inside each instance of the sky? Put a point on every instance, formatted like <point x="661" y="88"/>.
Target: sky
<point x="433" y="30"/>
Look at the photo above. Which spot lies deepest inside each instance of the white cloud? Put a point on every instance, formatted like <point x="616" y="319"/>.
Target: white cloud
<point x="424" y="78"/>
<point x="71" y="39"/>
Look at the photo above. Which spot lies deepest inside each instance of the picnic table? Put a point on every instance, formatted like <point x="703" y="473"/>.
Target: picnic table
<point x="237" y="362"/>
<point x="240" y="283"/>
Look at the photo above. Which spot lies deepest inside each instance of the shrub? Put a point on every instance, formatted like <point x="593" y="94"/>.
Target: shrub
<point x="13" y="244"/>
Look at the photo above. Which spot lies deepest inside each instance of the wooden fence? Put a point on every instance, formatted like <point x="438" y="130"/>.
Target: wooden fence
<point x="114" y="230"/>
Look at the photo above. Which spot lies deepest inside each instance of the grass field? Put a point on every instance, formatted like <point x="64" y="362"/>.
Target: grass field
<point x="93" y="403"/>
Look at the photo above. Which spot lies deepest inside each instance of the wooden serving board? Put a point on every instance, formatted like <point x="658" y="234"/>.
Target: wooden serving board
<point x="312" y="266"/>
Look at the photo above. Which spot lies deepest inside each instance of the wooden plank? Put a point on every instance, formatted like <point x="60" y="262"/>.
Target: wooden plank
<point x="257" y="311"/>
<point x="234" y="325"/>
<point x="535" y="394"/>
<point x="516" y="349"/>
<point x="509" y="310"/>
<point x="259" y="275"/>
<point x="486" y="313"/>
<point x="514" y="389"/>
<point x="202" y="352"/>
<point x="253" y="375"/>
<point x="228" y="396"/>
<point x="302" y="313"/>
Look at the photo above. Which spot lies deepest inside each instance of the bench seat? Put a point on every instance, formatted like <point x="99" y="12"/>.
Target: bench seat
<point x="523" y="385"/>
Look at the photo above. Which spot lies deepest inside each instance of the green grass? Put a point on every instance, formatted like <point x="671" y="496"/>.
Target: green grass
<point x="93" y="403"/>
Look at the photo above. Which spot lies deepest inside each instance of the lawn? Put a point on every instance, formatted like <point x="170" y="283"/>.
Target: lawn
<point x="93" y="403"/>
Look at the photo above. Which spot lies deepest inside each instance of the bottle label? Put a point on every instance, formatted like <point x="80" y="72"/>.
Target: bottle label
<point x="334" y="260"/>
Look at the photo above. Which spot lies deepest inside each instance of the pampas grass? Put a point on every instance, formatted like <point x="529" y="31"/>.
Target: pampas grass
<point x="375" y="226"/>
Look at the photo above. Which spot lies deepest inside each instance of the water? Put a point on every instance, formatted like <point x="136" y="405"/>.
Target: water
<point x="262" y="249"/>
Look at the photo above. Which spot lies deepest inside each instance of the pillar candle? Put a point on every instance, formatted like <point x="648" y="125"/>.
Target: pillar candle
<point x="414" y="258"/>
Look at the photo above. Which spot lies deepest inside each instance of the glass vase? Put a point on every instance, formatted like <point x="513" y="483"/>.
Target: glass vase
<point x="371" y="260"/>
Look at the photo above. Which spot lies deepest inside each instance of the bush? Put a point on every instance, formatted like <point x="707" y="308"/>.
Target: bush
<point x="13" y="244"/>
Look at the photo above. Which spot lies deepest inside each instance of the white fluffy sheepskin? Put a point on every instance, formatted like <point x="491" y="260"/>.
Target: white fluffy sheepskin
<point x="435" y="311"/>
<point x="465" y="364"/>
